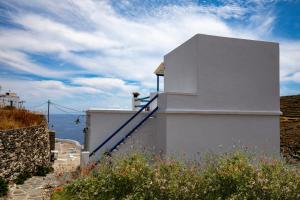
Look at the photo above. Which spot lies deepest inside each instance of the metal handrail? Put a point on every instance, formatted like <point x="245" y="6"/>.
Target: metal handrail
<point x="139" y="106"/>
<point x="142" y="98"/>
<point x="121" y="127"/>
<point x="132" y="130"/>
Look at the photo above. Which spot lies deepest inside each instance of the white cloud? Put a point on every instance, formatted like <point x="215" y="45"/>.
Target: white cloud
<point x="44" y="89"/>
<point x="108" y="85"/>
<point x="290" y="61"/>
<point x="293" y="77"/>
<point x="129" y="48"/>
<point x="47" y="28"/>
<point x="74" y="96"/>
<point x="20" y="61"/>
<point x="122" y="47"/>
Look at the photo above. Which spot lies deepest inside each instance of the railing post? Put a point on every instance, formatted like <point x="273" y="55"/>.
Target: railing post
<point x="84" y="158"/>
<point x="52" y="145"/>
<point x="157" y="83"/>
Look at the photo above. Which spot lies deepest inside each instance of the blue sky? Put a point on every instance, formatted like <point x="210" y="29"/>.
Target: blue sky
<point x="95" y="53"/>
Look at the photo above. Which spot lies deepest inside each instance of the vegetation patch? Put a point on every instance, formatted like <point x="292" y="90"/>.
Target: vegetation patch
<point x="18" y="118"/>
<point x="231" y="176"/>
<point x="22" y="177"/>
<point x="3" y="187"/>
<point x="42" y="170"/>
<point x="290" y="106"/>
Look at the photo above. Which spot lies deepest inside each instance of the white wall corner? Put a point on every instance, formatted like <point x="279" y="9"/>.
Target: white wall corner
<point x="84" y="158"/>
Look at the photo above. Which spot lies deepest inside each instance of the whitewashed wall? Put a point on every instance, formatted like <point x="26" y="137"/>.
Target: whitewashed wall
<point x="195" y="135"/>
<point x="221" y="92"/>
<point x="223" y="73"/>
<point x="102" y="123"/>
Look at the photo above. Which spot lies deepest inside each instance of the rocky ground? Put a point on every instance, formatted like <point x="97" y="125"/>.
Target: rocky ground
<point x="290" y="106"/>
<point x="290" y="128"/>
<point x="37" y="188"/>
<point x="290" y="138"/>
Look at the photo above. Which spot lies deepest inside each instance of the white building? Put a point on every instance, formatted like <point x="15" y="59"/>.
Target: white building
<point x="10" y="99"/>
<point x="218" y="93"/>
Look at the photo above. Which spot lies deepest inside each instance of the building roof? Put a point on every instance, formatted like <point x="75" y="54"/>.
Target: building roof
<point x="9" y="94"/>
<point x="160" y="70"/>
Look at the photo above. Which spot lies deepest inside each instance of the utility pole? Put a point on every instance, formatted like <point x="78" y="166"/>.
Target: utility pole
<point x="21" y="103"/>
<point x="48" y="111"/>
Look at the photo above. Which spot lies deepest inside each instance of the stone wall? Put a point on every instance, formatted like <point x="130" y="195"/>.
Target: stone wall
<point x="23" y="149"/>
<point x="52" y="144"/>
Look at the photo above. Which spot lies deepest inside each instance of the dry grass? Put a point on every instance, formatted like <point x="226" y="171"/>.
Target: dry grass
<point x="17" y="118"/>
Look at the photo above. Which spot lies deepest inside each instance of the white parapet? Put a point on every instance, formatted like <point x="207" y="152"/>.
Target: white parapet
<point x="55" y="154"/>
<point x="84" y="158"/>
<point x="135" y="103"/>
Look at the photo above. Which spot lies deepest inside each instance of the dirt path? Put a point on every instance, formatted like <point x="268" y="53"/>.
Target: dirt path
<point x="35" y="188"/>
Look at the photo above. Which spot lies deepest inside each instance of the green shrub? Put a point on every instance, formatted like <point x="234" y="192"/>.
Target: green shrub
<point x="42" y="170"/>
<point x="3" y="187"/>
<point x="231" y="176"/>
<point x="22" y="177"/>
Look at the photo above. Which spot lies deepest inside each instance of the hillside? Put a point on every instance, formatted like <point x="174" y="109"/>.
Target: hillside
<point x="290" y="127"/>
<point x="11" y="118"/>
<point x="290" y="106"/>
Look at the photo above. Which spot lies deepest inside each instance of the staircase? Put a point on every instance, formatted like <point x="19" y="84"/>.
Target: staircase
<point x="116" y="146"/>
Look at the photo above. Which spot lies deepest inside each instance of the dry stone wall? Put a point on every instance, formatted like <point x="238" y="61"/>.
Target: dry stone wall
<point x="23" y="149"/>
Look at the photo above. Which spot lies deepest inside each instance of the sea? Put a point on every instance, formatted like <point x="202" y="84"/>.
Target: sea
<point x="68" y="126"/>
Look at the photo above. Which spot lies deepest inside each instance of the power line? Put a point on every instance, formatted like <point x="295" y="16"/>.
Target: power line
<point x="39" y="105"/>
<point x="65" y="107"/>
<point x="58" y="108"/>
<point x="77" y="121"/>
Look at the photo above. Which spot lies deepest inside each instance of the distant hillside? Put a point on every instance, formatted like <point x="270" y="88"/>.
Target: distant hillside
<point x="290" y="106"/>
<point x="290" y="127"/>
<point x="11" y="118"/>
